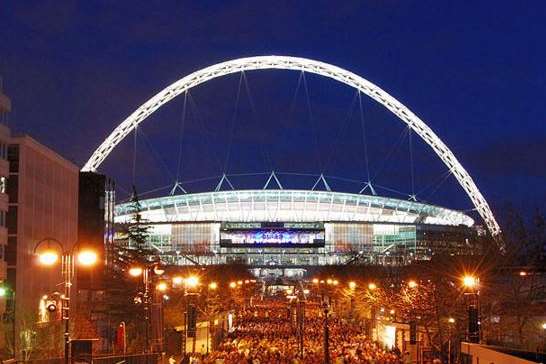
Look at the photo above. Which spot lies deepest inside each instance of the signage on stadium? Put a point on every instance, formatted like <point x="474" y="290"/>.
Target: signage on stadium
<point x="267" y="234"/>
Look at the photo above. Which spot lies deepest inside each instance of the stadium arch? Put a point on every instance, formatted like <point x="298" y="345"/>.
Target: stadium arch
<point x="305" y="65"/>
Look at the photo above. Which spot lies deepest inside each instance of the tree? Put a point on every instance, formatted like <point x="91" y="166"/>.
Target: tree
<point x="130" y="248"/>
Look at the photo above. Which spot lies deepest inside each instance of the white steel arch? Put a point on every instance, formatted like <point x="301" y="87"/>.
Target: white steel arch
<point x="311" y="66"/>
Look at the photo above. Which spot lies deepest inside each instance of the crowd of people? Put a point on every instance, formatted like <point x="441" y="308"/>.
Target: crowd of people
<point x="268" y="333"/>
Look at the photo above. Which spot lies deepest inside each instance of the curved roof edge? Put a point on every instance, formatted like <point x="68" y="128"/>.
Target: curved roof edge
<point x="297" y="205"/>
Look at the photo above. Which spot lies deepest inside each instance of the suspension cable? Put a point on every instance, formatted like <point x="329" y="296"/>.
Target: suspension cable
<point x="197" y="115"/>
<point x="410" y="144"/>
<point x="134" y="156"/>
<point x="181" y="136"/>
<point x="156" y="155"/>
<point x="364" y="139"/>
<point x="340" y="133"/>
<point x="294" y="97"/>
<point x="437" y="180"/>
<point x="395" y="146"/>
<point x="312" y="119"/>
<point x="232" y="125"/>
<point x="431" y="193"/>
<point x="267" y="159"/>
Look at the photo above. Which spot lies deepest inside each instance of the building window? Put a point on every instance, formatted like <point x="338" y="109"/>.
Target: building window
<point x="11" y="220"/>
<point x="13" y="157"/>
<point x="12" y="188"/>
<point x="10" y="255"/>
<point x="3" y="184"/>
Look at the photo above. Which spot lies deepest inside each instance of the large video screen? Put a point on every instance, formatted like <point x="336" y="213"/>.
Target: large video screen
<point x="278" y="236"/>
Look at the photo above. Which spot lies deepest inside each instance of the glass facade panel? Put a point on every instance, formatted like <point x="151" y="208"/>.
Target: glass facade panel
<point x="197" y="238"/>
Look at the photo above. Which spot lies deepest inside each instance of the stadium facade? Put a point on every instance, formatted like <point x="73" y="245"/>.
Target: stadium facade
<point x="284" y="231"/>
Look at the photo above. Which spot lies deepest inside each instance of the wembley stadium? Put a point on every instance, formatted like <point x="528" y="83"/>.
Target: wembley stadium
<point x="285" y="230"/>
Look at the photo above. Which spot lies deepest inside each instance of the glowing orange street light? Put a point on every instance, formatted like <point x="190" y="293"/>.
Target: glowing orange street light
<point x="372" y="286"/>
<point x="335" y="282"/>
<point x="48" y="257"/>
<point x="451" y="320"/>
<point x="213" y="285"/>
<point x="306" y="291"/>
<point x="135" y="271"/>
<point x="232" y="285"/>
<point x="87" y="258"/>
<point x="177" y="280"/>
<point x="315" y="281"/>
<point x="328" y="281"/>
<point x="352" y="285"/>
<point x="470" y="281"/>
<point x="192" y="281"/>
<point x="412" y="284"/>
<point x="161" y="286"/>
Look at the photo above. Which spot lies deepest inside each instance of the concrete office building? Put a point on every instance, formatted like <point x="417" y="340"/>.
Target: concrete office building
<point x="43" y="203"/>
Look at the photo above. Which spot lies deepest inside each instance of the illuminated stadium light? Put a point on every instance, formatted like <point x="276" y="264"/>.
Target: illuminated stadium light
<point x="301" y="65"/>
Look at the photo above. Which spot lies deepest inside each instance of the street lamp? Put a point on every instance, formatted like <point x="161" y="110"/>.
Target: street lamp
<point x="48" y="251"/>
<point x="471" y="285"/>
<point x="145" y="273"/>
<point x="451" y="322"/>
<point x="135" y="271"/>
<point x="372" y="286"/>
<point x="192" y="282"/>
<point x="177" y="280"/>
<point x="162" y="286"/>
<point x="87" y="258"/>
<point x="48" y="257"/>
<point x="412" y="284"/>
<point x="470" y="282"/>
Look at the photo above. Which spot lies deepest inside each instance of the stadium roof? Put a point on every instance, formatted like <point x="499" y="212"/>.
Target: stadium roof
<point x="290" y="206"/>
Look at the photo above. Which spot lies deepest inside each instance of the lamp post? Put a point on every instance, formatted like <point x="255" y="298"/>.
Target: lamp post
<point x="326" y="311"/>
<point x="212" y="287"/>
<point x="450" y="322"/>
<point x="147" y="273"/>
<point x="373" y="311"/>
<point x="48" y="251"/>
<point x="191" y="286"/>
<point x="471" y="291"/>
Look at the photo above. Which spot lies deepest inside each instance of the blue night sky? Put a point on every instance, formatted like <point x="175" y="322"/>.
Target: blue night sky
<point x="475" y="72"/>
